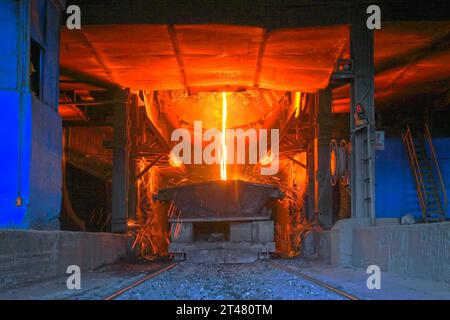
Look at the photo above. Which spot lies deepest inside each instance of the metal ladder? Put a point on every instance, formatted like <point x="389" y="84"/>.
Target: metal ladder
<point x="427" y="174"/>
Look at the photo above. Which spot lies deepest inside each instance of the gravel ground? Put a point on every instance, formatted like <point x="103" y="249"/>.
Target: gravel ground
<point x="258" y="280"/>
<point x="246" y="281"/>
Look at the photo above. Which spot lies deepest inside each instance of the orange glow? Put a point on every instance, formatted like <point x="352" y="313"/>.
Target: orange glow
<point x="223" y="156"/>
<point x="333" y="162"/>
<point x="132" y="223"/>
<point x="174" y="160"/>
<point x="267" y="159"/>
<point x="297" y="103"/>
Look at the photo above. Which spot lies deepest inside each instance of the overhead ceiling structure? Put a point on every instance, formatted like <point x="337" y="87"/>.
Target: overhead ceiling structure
<point x="204" y="57"/>
<point x="411" y="59"/>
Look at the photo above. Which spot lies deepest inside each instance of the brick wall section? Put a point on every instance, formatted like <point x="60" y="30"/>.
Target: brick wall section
<point x="28" y="256"/>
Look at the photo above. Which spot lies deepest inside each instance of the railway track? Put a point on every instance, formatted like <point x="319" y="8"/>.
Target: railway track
<point x="313" y="280"/>
<point x="140" y="281"/>
<point x="274" y="264"/>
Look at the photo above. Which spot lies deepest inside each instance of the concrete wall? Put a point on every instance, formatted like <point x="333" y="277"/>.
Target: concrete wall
<point x="27" y="256"/>
<point x="421" y="250"/>
<point x="335" y="246"/>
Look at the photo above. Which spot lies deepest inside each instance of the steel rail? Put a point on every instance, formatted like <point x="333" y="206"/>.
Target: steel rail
<point x="273" y="264"/>
<point x="415" y="167"/>
<point x="140" y="281"/>
<point x="429" y="139"/>
<point x="313" y="280"/>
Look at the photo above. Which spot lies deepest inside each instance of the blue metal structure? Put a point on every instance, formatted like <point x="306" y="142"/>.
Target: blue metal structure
<point x="30" y="127"/>
<point x="395" y="186"/>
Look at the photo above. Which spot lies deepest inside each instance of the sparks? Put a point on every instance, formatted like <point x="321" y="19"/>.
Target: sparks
<point x="174" y="160"/>
<point x="267" y="159"/>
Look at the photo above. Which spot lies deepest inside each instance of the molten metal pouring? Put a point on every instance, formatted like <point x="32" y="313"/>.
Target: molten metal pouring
<point x="223" y="159"/>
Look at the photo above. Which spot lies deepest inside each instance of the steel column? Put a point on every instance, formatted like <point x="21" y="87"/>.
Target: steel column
<point x="313" y="187"/>
<point x="121" y="161"/>
<point x="362" y="125"/>
<point x="23" y="83"/>
<point x="132" y="192"/>
<point x="325" y="126"/>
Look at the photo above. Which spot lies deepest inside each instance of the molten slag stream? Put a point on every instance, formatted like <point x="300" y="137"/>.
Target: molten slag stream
<point x="223" y="159"/>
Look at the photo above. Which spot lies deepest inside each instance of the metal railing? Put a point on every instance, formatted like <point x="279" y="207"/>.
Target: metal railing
<point x="429" y="140"/>
<point x="415" y="167"/>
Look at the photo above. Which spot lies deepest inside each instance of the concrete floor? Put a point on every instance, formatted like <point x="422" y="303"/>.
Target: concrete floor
<point x="246" y="281"/>
<point x="353" y="280"/>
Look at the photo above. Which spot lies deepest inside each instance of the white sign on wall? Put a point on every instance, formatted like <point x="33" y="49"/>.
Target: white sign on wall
<point x="379" y="140"/>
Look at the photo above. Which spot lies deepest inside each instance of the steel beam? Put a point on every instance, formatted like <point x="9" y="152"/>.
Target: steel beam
<point x="261" y="52"/>
<point x="325" y="126"/>
<point x="97" y="56"/>
<point x="313" y="188"/>
<point x="362" y="124"/>
<point x="296" y="162"/>
<point x="148" y="167"/>
<point x="84" y="78"/>
<point x="177" y="52"/>
<point x="121" y="160"/>
<point x="88" y="103"/>
<point x="133" y="123"/>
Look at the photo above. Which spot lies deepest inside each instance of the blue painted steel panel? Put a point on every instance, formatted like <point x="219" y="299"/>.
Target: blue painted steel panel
<point x="442" y="147"/>
<point x="12" y="171"/>
<point x="30" y="129"/>
<point x="51" y="58"/>
<point x="395" y="188"/>
<point x="45" y="170"/>
<point x="8" y="45"/>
